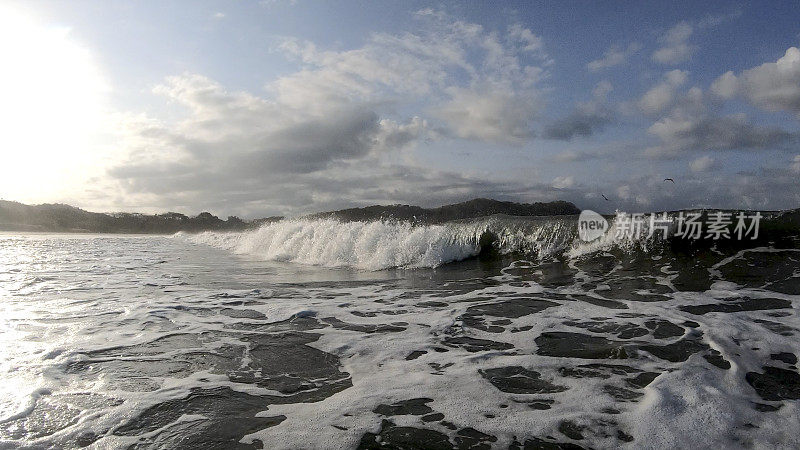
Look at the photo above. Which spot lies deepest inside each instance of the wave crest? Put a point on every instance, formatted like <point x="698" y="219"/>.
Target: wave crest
<point x="380" y="245"/>
<point x="383" y="244"/>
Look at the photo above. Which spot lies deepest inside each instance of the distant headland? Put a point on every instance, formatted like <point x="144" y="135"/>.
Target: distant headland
<point x="61" y="218"/>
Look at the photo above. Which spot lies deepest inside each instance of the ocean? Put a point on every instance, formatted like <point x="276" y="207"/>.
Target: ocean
<point x="499" y="332"/>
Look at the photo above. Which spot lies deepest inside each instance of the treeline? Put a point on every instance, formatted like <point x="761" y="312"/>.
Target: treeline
<point x="16" y="216"/>
<point x="478" y="207"/>
<point x="64" y="218"/>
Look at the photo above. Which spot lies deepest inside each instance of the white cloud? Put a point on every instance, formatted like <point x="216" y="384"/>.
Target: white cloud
<point x="726" y="86"/>
<point x="635" y="196"/>
<point x="568" y="156"/>
<point x="329" y="135"/>
<point x="680" y="133"/>
<point x="494" y="114"/>
<point x="759" y="188"/>
<point x="602" y="89"/>
<point x="474" y="80"/>
<point x="564" y="182"/>
<point x="713" y="20"/>
<point x="530" y="42"/>
<point x="702" y="164"/>
<point x="770" y="86"/>
<point x="675" y="48"/>
<point x="587" y="119"/>
<point x="394" y="136"/>
<point x="624" y="192"/>
<point x="268" y="3"/>
<point x="614" y="56"/>
<point x="663" y="94"/>
<point x="232" y="145"/>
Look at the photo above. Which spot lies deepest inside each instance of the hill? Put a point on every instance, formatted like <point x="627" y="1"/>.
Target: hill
<point x="478" y="207"/>
<point x="16" y="216"/>
<point x="64" y="218"/>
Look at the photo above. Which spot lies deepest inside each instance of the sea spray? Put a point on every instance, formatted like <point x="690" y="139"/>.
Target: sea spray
<point x="386" y="244"/>
<point x="383" y="244"/>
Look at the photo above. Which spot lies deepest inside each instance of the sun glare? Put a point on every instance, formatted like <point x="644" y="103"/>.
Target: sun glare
<point x="51" y="108"/>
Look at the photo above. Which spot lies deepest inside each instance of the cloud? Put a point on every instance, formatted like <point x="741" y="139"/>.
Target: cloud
<point x="329" y="134"/>
<point x="237" y="153"/>
<point x="579" y="123"/>
<point x="762" y="188"/>
<point x="563" y="182"/>
<point x="770" y="86"/>
<point x="633" y="195"/>
<point x="530" y="42"/>
<point x="587" y="119"/>
<point x="713" y="20"/>
<point x="613" y="56"/>
<point x="702" y="164"/>
<point x="675" y="48"/>
<point x="394" y="135"/>
<point x="663" y="94"/>
<point x="491" y="114"/>
<point x="607" y="152"/>
<point x="680" y="134"/>
<point x="233" y="140"/>
<point x="481" y="84"/>
<point x="568" y="156"/>
<point x="687" y="121"/>
<point x="269" y="3"/>
<point x="374" y="123"/>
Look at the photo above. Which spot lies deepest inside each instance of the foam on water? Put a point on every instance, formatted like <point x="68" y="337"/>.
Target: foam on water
<point x="112" y="338"/>
<point x="386" y="244"/>
<point x="363" y="245"/>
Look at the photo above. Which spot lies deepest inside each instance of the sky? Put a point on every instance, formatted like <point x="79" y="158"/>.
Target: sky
<point x="259" y="108"/>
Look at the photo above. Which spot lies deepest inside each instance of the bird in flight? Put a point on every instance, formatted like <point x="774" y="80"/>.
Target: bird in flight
<point x="606" y="198"/>
<point x="669" y="179"/>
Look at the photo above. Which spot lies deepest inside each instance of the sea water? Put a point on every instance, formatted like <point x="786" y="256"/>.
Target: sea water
<point x="322" y="334"/>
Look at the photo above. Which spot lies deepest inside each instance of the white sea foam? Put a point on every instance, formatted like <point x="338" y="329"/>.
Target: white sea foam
<point x="386" y="244"/>
<point x="68" y="298"/>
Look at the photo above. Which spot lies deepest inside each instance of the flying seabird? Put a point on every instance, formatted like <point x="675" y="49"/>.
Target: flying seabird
<point x="669" y="179"/>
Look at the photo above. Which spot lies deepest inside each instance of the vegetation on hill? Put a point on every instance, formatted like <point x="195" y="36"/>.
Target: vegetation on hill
<point x="16" y="216"/>
<point x="478" y="207"/>
<point x="64" y="218"/>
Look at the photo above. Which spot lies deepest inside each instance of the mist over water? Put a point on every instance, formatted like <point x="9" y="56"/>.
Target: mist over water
<point x="499" y="332"/>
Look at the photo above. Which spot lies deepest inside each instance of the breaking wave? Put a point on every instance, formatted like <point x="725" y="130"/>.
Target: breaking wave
<point x="386" y="244"/>
<point x="383" y="244"/>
